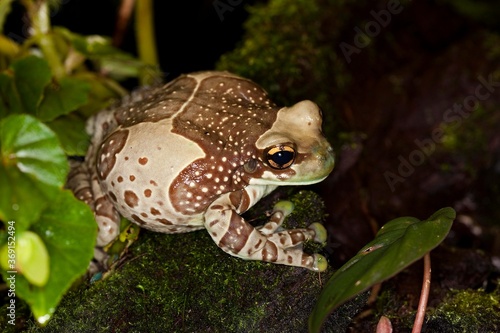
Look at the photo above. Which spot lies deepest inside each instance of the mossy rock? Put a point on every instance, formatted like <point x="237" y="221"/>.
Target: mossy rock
<point x="185" y="283"/>
<point x="466" y="311"/>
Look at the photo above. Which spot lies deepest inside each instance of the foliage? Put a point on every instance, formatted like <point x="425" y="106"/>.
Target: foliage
<point x="48" y="86"/>
<point x="398" y="244"/>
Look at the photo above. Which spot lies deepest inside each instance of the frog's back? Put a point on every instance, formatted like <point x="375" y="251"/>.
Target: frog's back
<point x="209" y="90"/>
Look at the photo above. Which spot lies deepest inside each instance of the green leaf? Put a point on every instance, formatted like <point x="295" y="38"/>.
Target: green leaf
<point x="111" y="60"/>
<point x="71" y="132"/>
<point x="103" y="93"/>
<point x="31" y="260"/>
<point x="62" y="98"/>
<point x="398" y="244"/>
<point x="89" y="46"/>
<point x="32" y="168"/>
<point x="8" y="50"/>
<point x="22" y="86"/>
<point x="68" y="230"/>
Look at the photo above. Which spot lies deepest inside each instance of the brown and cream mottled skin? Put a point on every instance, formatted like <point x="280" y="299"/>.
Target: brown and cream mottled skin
<point x="198" y="152"/>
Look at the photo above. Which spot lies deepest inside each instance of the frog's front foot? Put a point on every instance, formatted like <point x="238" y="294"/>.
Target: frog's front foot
<point x="269" y="242"/>
<point x="280" y="211"/>
<point x="291" y="241"/>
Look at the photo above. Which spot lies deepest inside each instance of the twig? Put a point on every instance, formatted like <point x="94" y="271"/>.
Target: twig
<point x="39" y="15"/>
<point x="374" y="293"/>
<point x="122" y="20"/>
<point x="424" y="296"/>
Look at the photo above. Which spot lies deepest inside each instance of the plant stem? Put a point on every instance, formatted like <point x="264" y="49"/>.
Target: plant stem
<point x="145" y="35"/>
<point x="40" y="20"/>
<point x="424" y="296"/>
<point x="122" y="21"/>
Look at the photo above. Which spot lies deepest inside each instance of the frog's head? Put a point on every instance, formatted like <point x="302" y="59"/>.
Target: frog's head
<point x="294" y="151"/>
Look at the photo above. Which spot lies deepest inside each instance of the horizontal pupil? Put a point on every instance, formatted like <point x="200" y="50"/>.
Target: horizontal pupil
<point x="282" y="157"/>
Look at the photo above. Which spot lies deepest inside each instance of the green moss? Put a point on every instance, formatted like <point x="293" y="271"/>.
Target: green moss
<point x="467" y="311"/>
<point x="310" y="208"/>
<point x="394" y="307"/>
<point x="468" y="136"/>
<point x="185" y="283"/>
<point x="492" y="46"/>
<point x="465" y="143"/>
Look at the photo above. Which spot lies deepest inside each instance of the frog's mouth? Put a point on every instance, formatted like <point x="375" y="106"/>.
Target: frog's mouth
<point x="283" y="181"/>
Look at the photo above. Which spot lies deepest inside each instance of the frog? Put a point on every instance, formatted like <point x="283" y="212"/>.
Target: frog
<point x="196" y="153"/>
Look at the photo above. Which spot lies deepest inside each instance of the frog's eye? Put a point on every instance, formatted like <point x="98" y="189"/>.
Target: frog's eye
<point x="280" y="157"/>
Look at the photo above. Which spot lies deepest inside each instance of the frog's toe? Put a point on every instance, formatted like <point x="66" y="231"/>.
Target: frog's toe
<point x="284" y="206"/>
<point x="320" y="263"/>
<point x="319" y="232"/>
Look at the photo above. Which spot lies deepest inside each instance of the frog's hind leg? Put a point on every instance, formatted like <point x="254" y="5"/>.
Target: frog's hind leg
<point x="87" y="189"/>
<point x="79" y="184"/>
